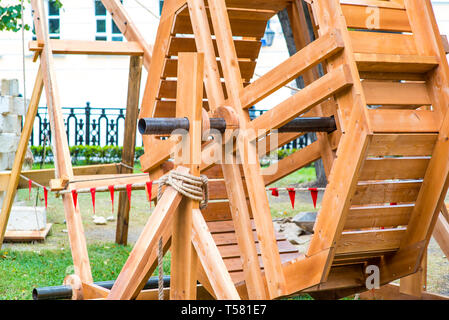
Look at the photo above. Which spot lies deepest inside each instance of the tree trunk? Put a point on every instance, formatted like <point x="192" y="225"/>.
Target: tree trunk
<point x="321" y="179"/>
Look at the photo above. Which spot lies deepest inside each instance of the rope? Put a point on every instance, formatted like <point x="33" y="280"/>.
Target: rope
<point x="148" y="10"/>
<point x="286" y="85"/>
<point x="160" y="258"/>
<point x="23" y="62"/>
<point x="193" y="187"/>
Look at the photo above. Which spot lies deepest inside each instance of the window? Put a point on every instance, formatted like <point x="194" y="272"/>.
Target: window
<point x="106" y="29"/>
<point x="54" y="21"/>
<point x="161" y="4"/>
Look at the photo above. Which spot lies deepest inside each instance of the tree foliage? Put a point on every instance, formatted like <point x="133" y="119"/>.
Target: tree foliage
<point x="11" y="15"/>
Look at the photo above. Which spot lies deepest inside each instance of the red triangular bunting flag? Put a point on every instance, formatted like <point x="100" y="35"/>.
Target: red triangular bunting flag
<point x="75" y="197"/>
<point x="149" y="188"/>
<point x="92" y="193"/>
<point x="274" y="192"/>
<point x="292" y="195"/>
<point x="393" y="204"/>
<point x="129" y="188"/>
<point x="45" y="196"/>
<point x="111" y="191"/>
<point x="314" y="194"/>
<point x="30" y="185"/>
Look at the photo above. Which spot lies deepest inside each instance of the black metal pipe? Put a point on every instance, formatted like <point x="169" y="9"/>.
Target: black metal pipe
<point x="65" y="292"/>
<point x="165" y="126"/>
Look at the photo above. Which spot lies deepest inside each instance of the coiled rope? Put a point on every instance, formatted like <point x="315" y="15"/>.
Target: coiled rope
<point x="193" y="187"/>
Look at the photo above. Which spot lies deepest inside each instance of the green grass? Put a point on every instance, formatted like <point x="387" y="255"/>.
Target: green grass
<point x="303" y="175"/>
<point x="21" y="271"/>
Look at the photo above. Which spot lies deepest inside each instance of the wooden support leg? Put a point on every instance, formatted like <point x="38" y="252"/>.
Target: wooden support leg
<point x="415" y="284"/>
<point x="188" y="104"/>
<point x="61" y="151"/>
<point x="134" y="272"/>
<point x="211" y="260"/>
<point x="14" y="178"/>
<point x="129" y="145"/>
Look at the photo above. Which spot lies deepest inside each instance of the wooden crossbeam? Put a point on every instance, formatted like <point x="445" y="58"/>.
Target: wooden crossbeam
<point x="113" y="48"/>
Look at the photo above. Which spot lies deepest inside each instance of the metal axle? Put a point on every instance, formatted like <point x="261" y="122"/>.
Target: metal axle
<point x="165" y="126"/>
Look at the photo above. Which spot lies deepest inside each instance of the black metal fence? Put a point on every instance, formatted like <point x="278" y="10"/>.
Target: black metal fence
<point x="105" y="126"/>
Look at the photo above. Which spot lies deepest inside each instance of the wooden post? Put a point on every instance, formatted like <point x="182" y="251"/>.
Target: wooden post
<point x="63" y="163"/>
<point x="14" y="177"/>
<point x="129" y="145"/>
<point x="189" y="104"/>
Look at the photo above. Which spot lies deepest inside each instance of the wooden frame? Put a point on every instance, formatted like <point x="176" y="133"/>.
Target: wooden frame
<point x="370" y="198"/>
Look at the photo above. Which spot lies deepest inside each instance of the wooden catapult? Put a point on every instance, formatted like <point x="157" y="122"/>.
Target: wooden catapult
<point x="385" y="85"/>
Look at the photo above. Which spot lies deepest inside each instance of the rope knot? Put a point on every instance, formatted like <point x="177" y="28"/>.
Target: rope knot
<point x="193" y="187"/>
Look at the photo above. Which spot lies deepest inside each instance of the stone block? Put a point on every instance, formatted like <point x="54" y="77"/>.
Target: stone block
<point x="10" y="87"/>
<point x="8" y="142"/>
<point x="10" y="124"/>
<point x="27" y="219"/>
<point x="12" y="105"/>
<point x="6" y="160"/>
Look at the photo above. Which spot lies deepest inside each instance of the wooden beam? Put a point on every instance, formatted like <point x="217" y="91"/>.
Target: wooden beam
<point x="61" y="151"/>
<point x="391" y="292"/>
<point x="111" y="48"/>
<point x="211" y="260"/>
<point x="128" y="28"/>
<point x="254" y="181"/>
<point x="188" y="104"/>
<point x="129" y="145"/>
<point x="14" y="177"/>
<point x="134" y="272"/>
<point x="304" y="59"/>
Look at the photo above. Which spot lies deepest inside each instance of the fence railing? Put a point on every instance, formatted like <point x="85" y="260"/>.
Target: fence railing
<point x="105" y="126"/>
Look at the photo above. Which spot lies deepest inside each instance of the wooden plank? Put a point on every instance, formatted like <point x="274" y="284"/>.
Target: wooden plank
<point x="441" y="234"/>
<point x="229" y="238"/>
<point x="133" y="274"/>
<point x="211" y="260"/>
<point x="254" y="181"/>
<point x="315" y="93"/>
<point x="129" y="148"/>
<point x="189" y="104"/>
<point x="60" y="148"/>
<point x="13" y="179"/>
<point x="445" y="43"/>
<point x="404" y="121"/>
<point x="309" y="57"/>
<point x="402" y="145"/>
<point x="247" y="68"/>
<point x="397" y="76"/>
<point x="376" y="18"/>
<point x="395" y="93"/>
<point x="233" y="251"/>
<point x="386" y="192"/>
<point x="383" y="43"/>
<point x="128" y="28"/>
<point x="238" y="27"/>
<point x="369" y="241"/>
<point x="110" y="48"/>
<point x="378" y="216"/>
<point x="391" y="292"/>
<point x="235" y="264"/>
<point x="275" y="5"/>
<point x="25" y="236"/>
<point x="394" y="168"/>
<point x="396" y="4"/>
<point x="246" y="49"/>
<point x="374" y="62"/>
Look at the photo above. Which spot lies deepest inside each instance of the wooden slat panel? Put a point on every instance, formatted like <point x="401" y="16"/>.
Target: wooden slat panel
<point x="369" y="241"/>
<point x="359" y="17"/>
<point x="239" y="27"/>
<point x="378" y="217"/>
<point x="275" y="5"/>
<point x="376" y="3"/>
<point x="391" y="76"/>
<point x="398" y="120"/>
<point x="383" y="43"/>
<point x="373" y="62"/>
<point x="167" y="108"/>
<point x="229" y="238"/>
<point x="394" y="168"/>
<point x="402" y="145"/>
<point x="224" y="226"/>
<point x="233" y="251"/>
<point x="235" y="264"/>
<point x="383" y="192"/>
<point x="247" y="68"/>
<point x="218" y="211"/>
<point x="395" y="93"/>
<point x="246" y="49"/>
